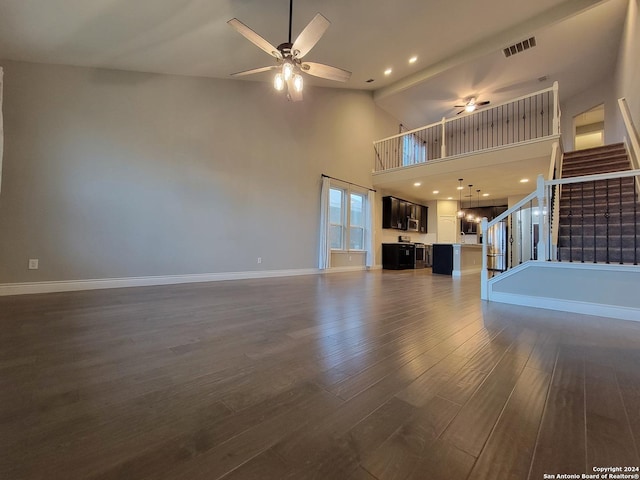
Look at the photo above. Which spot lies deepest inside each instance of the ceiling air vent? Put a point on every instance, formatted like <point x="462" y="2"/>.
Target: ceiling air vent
<point x="519" y="47"/>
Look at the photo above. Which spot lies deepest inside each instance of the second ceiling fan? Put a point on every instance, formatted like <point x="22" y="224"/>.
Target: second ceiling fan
<point x="471" y="105"/>
<point x="288" y="56"/>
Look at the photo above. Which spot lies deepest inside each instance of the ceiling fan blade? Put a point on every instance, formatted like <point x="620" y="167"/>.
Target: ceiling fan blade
<point x="459" y="106"/>
<point x="292" y="94"/>
<point x="310" y="35"/>
<point x="461" y="111"/>
<point x="326" y="71"/>
<point x="480" y="104"/>
<point x="254" y="70"/>
<point x="254" y="38"/>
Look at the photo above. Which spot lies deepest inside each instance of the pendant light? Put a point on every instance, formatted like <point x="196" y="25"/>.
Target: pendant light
<point x="478" y="217"/>
<point x="470" y="217"/>
<point x="460" y="212"/>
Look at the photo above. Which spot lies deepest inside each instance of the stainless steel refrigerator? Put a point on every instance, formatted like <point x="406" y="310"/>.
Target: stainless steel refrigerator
<point x="496" y="238"/>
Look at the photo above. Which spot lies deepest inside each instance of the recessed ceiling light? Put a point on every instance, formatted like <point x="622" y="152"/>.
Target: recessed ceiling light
<point x="413" y="59"/>
<point x="485" y="194"/>
<point x="417" y="184"/>
<point x="524" y="180"/>
<point x="435" y="192"/>
<point x="388" y="71"/>
<point x="449" y="198"/>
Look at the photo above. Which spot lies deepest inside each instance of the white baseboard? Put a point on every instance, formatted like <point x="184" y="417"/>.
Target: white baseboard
<point x="358" y="268"/>
<point x="102" y="283"/>
<point x="585" y="308"/>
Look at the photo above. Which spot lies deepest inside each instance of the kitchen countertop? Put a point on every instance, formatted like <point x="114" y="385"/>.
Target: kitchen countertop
<point x="479" y="245"/>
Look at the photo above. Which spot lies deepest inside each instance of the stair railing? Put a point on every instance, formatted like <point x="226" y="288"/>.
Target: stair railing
<point x="531" y="236"/>
<point x="555" y="171"/>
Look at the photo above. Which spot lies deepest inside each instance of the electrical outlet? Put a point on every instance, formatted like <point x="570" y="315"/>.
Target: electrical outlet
<point x="349" y="257"/>
<point x="33" y="264"/>
<point x="259" y="259"/>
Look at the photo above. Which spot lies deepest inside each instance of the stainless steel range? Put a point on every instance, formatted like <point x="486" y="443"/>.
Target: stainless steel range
<point x="420" y="259"/>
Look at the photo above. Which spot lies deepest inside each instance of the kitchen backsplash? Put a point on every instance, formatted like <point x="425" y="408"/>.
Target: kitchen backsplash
<point x="391" y="236"/>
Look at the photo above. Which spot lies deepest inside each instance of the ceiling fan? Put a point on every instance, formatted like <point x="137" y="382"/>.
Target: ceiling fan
<point x="471" y="105"/>
<point x="289" y="56"/>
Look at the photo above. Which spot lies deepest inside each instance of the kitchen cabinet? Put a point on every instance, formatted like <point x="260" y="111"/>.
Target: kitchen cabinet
<point x="421" y="215"/>
<point x="489" y="212"/>
<point x="395" y="212"/>
<point x="398" y="256"/>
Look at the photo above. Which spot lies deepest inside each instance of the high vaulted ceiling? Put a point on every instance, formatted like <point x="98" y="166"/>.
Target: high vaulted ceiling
<point x="458" y="45"/>
<point x="458" y="42"/>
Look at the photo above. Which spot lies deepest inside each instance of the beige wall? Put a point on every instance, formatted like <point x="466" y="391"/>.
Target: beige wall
<point x="628" y="70"/>
<point x="600" y="93"/>
<point x="112" y="174"/>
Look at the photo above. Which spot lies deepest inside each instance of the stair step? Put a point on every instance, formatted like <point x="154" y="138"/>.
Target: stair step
<point x="629" y="256"/>
<point x="587" y="230"/>
<point x="594" y="150"/>
<point x="612" y="184"/>
<point x="583" y="172"/>
<point x="596" y="159"/>
<point x="600" y="241"/>
<point x="614" y="221"/>
<point x="628" y="205"/>
<point x="601" y="167"/>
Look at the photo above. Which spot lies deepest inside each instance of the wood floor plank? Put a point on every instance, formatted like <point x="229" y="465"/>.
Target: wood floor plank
<point x="431" y="382"/>
<point x="609" y="437"/>
<point x="397" y="457"/>
<point x="461" y="386"/>
<point x="509" y="449"/>
<point x="443" y="461"/>
<point x="471" y="428"/>
<point x="563" y="421"/>
<point x="373" y="430"/>
<point x="265" y="466"/>
<point x="628" y="378"/>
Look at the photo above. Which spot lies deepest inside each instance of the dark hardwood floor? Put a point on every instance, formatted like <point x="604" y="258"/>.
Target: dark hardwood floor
<point x="356" y="376"/>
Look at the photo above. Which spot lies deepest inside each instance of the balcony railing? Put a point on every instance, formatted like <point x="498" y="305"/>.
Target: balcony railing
<point x="519" y="120"/>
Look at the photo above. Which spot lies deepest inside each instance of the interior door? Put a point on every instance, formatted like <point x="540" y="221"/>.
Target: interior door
<point x="447" y="229"/>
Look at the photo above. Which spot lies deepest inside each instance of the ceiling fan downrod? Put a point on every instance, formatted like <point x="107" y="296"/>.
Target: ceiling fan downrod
<point x="290" y="18"/>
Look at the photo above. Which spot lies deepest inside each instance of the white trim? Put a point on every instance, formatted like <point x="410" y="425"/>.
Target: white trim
<point x="592" y="178"/>
<point x="585" y="308"/>
<point x="29" y="288"/>
<point x="358" y="268"/>
<point x="533" y="141"/>
<point x="102" y="283"/>
<point x="555" y="264"/>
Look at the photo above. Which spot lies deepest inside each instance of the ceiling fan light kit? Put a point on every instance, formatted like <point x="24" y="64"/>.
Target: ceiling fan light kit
<point x="471" y="105"/>
<point x="288" y="56"/>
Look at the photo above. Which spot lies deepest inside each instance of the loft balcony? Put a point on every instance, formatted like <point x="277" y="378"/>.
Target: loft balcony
<point x="509" y="140"/>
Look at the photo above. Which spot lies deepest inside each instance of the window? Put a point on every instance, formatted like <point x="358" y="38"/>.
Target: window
<point x="414" y="150"/>
<point x="346" y="219"/>
<point x="356" y="222"/>
<point x="336" y="218"/>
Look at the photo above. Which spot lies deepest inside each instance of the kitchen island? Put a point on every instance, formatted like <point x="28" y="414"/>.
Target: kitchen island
<point x="456" y="259"/>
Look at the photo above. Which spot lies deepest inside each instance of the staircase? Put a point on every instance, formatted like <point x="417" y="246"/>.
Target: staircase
<point x="598" y="219"/>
